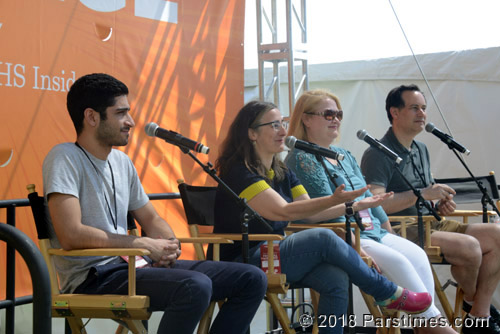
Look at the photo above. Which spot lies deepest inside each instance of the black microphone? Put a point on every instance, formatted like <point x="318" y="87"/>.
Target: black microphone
<point x="363" y="135"/>
<point x="154" y="130"/>
<point x="446" y="138"/>
<point x="292" y="142"/>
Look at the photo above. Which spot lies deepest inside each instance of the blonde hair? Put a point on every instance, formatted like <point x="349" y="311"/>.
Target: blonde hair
<point x="307" y="102"/>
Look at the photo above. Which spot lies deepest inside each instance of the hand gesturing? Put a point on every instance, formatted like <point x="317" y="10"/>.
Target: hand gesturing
<point x="341" y="196"/>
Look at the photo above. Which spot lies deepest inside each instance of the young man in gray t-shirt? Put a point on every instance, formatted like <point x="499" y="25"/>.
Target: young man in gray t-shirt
<point x="90" y="187"/>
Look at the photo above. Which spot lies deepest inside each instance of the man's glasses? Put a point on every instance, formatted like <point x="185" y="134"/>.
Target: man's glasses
<point x="328" y="114"/>
<point x="277" y="125"/>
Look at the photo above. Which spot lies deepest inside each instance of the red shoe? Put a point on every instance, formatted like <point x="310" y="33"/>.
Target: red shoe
<point x="411" y="302"/>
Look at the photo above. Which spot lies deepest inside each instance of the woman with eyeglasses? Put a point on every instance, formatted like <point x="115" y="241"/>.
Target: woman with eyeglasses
<point x="316" y="258"/>
<point x="316" y="118"/>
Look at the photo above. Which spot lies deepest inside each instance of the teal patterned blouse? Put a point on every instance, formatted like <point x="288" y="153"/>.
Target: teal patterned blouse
<point x="317" y="183"/>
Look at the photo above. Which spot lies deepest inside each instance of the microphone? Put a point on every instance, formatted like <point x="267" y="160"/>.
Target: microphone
<point x="446" y="138"/>
<point x="292" y="142"/>
<point x="154" y="130"/>
<point x="363" y="135"/>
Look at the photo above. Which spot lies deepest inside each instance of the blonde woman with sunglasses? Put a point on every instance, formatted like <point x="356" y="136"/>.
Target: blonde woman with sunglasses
<point x="317" y="118"/>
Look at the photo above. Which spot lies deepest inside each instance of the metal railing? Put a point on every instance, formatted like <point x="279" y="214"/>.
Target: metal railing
<point x="11" y="301"/>
<point x="12" y="235"/>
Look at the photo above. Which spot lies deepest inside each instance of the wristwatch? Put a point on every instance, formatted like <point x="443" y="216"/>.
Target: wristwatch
<point x="349" y="211"/>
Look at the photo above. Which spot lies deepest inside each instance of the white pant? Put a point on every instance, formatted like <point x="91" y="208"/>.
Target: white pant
<point x="404" y="263"/>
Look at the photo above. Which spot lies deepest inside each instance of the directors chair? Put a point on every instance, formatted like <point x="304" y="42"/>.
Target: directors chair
<point x="378" y="312"/>
<point x="467" y="192"/>
<point x="129" y="310"/>
<point x="198" y="202"/>
<point x="435" y="257"/>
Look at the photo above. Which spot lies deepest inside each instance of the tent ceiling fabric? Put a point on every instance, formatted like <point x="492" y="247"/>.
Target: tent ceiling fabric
<point x="465" y="83"/>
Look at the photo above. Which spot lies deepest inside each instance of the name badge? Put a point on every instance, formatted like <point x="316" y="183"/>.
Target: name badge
<point x="366" y="219"/>
<point x="140" y="262"/>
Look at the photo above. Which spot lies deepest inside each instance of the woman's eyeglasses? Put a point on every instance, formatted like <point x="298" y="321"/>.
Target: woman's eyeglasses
<point x="328" y="114"/>
<point x="277" y="125"/>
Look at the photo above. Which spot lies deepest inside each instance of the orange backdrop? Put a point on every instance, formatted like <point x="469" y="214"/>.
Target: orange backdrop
<point x="182" y="62"/>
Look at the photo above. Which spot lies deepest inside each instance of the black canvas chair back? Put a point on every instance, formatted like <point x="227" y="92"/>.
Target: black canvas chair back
<point x="199" y="203"/>
<point x="468" y="191"/>
<point x="37" y="204"/>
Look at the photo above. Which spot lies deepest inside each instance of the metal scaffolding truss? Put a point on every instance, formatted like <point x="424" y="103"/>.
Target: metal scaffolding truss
<point x="273" y="50"/>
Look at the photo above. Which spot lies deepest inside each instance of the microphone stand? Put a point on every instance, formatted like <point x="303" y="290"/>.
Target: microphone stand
<point x="485" y="199"/>
<point x="247" y="212"/>
<point x="348" y="237"/>
<point x="421" y="202"/>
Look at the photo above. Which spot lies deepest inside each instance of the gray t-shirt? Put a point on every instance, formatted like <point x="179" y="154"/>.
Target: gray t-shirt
<point x="68" y="170"/>
<point x="378" y="169"/>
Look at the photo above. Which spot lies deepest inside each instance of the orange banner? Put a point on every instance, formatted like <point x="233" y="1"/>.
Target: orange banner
<point x="182" y="62"/>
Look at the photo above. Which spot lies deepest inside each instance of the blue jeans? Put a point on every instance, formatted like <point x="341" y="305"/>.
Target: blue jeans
<point x="184" y="292"/>
<point x="318" y="259"/>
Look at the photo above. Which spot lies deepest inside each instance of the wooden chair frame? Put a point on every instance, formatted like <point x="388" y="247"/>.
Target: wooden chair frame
<point x="128" y="309"/>
<point x="375" y="310"/>
<point x="435" y="257"/>
<point x="276" y="282"/>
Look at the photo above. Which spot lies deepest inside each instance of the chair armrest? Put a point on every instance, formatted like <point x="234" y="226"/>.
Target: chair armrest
<point x="409" y="218"/>
<point x="237" y="237"/>
<point x="100" y="252"/>
<point x="466" y="213"/>
<point x="210" y="239"/>
<point x="252" y="237"/>
<point x="324" y="225"/>
<point x="276" y="282"/>
<point x="130" y="252"/>
<point x="206" y="240"/>
<point x="433" y="252"/>
<point x="299" y="227"/>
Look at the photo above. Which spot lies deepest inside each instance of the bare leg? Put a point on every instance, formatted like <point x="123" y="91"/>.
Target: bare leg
<point x="464" y="254"/>
<point x="488" y="236"/>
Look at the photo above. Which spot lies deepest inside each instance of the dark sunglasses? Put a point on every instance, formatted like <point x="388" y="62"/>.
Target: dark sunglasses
<point x="328" y="114"/>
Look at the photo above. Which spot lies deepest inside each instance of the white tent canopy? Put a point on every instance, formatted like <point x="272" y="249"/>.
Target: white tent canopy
<point x="466" y="85"/>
